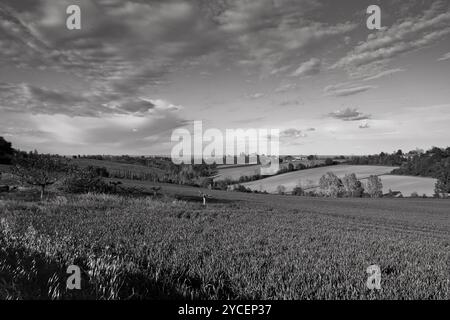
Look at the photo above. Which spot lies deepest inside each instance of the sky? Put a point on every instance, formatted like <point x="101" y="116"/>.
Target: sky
<point x="138" y="70"/>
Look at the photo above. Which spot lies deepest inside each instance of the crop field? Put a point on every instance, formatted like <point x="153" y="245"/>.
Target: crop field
<point x="310" y="177"/>
<point x="240" y="246"/>
<point x="234" y="172"/>
<point x="408" y="184"/>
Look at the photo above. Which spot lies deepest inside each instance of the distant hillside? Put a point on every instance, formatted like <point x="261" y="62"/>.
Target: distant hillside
<point x="121" y="170"/>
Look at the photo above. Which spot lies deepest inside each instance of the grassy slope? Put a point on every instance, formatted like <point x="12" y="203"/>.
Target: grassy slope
<point x="234" y="172"/>
<point x="310" y="177"/>
<point x="239" y="246"/>
<point x="408" y="184"/>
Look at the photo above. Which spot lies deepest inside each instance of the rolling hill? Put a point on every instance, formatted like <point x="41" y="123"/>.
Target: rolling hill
<point x="309" y="179"/>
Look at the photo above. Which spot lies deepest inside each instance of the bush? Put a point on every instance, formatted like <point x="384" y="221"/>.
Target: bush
<point x="298" y="191"/>
<point x="241" y="188"/>
<point x="83" y="181"/>
<point x="414" y="195"/>
<point x="281" y="189"/>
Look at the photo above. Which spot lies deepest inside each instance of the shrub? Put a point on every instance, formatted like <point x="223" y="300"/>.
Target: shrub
<point x="241" y="188"/>
<point x="281" y="189"/>
<point x="83" y="181"/>
<point x="298" y="191"/>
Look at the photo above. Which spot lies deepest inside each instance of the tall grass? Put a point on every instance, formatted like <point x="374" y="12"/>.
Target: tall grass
<point x="141" y="248"/>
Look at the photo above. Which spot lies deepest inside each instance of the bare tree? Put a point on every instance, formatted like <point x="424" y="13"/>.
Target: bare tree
<point x="155" y="190"/>
<point x="39" y="170"/>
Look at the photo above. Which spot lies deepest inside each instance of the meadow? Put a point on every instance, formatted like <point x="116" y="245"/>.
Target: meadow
<point x="240" y="246"/>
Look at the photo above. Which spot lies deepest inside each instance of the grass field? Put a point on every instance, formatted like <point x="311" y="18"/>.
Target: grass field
<point x="310" y="177"/>
<point x="408" y="185"/>
<point x="240" y="246"/>
<point x="234" y="172"/>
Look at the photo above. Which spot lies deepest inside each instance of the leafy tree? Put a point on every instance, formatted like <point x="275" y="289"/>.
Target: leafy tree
<point x="39" y="170"/>
<point x="374" y="186"/>
<point x="442" y="186"/>
<point x="83" y="180"/>
<point x="352" y="186"/>
<point x="330" y="185"/>
<point x="6" y="151"/>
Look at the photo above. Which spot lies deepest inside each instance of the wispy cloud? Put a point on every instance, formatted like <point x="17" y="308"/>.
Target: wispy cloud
<point x="349" y="114"/>
<point x="286" y="87"/>
<point x="445" y="57"/>
<point x="256" y="95"/>
<point x="308" y="68"/>
<point x="338" y="91"/>
<point x="409" y="34"/>
<point x="383" y="74"/>
<point x="292" y="133"/>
